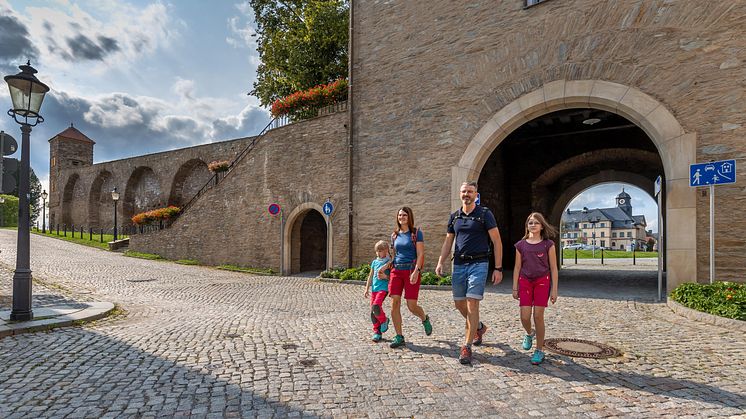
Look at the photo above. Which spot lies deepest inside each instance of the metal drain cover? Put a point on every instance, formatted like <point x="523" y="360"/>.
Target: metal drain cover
<point x="141" y="280"/>
<point x="579" y="348"/>
<point x="308" y="362"/>
<point x="289" y="346"/>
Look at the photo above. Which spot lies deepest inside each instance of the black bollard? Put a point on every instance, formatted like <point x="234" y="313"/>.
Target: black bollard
<point x="576" y="255"/>
<point x="64" y="230"/>
<point x="602" y="255"/>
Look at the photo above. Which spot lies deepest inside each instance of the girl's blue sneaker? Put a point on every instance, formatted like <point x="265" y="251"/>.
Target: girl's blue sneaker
<point x="528" y="341"/>
<point x="376" y="337"/>
<point x="538" y="357"/>
<point x="385" y="326"/>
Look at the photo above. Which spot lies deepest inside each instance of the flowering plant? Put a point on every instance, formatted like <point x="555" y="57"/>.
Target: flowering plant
<point x="148" y="217"/>
<point x="218" y="166"/>
<point x="315" y="97"/>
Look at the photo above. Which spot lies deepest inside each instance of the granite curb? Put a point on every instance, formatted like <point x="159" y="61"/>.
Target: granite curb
<point x="699" y="316"/>
<point x="53" y="317"/>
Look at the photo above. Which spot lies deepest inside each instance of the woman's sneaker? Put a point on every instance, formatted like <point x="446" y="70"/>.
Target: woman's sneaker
<point x="376" y="337"/>
<point x="464" y="356"/>
<point x="528" y="340"/>
<point x="397" y="342"/>
<point x="428" y="327"/>
<point x="538" y="357"/>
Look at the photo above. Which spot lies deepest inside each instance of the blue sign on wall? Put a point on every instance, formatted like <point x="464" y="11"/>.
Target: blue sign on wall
<point x="328" y="208"/>
<point x="712" y="173"/>
<point x="478" y="201"/>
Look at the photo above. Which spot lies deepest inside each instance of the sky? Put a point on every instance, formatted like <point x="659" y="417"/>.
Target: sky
<point x="138" y="77"/>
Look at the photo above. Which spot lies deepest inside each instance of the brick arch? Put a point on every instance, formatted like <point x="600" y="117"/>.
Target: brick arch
<point x="291" y="236"/>
<point x="142" y="193"/>
<point x="188" y="180"/>
<point x="68" y="196"/>
<point x="100" y="204"/>
<point x="677" y="150"/>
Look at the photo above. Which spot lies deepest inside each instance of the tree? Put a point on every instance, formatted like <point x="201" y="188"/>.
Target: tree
<point x="301" y="44"/>
<point x="34" y="191"/>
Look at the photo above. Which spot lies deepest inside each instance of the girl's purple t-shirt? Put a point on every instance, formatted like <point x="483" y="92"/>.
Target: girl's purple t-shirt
<point x="534" y="258"/>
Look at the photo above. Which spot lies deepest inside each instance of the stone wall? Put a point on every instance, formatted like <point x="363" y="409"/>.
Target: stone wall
<point x="479" y="56"/>
<point x="295" y="165"/>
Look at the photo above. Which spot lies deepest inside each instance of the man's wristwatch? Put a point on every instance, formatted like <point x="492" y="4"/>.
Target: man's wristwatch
<point x="500" y="269"/>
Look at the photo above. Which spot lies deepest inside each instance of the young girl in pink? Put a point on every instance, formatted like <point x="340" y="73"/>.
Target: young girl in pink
<point x="535" y="280"/>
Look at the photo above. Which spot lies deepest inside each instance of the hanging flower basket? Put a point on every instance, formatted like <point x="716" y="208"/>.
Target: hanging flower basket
<point x="219" y="166"/>
<point x="305" y="103"/>
<point x="160" y="214"/>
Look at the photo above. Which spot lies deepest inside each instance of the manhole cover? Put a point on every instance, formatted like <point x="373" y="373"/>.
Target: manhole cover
<point x="308" y="362"/>
<point x="232" y="335"/>
<point x="580" y="348"/>
<point x="141" y="280"/>
<point x="289" y="346"/>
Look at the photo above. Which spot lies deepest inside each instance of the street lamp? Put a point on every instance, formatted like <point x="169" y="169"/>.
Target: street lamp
<point x="27" y="94"/>
<point x="115" y="198"/>
<point x="593" y="234"/>
<point x="44" y="196"/>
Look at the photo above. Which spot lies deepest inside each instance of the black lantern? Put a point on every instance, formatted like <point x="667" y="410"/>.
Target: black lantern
<point x="115" y="198"/>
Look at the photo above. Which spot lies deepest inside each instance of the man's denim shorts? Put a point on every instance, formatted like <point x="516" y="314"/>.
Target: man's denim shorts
<point x="468" y="280"/>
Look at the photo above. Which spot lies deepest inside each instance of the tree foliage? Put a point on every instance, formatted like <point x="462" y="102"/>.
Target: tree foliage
<point x="301" y="44"/>
<point x="34" y="190"/>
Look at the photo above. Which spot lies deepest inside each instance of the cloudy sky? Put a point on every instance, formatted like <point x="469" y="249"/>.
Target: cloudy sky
<point x="135" y="76"/>
<point x="143" y="76"/>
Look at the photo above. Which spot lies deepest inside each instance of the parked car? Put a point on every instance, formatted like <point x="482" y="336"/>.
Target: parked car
<point x="574" y="246"/>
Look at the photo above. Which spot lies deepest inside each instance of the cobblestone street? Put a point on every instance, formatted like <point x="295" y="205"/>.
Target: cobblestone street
<point x="201" y="342"/>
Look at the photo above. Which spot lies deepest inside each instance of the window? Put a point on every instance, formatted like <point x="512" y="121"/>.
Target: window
<point x="613" y="244"/>
<point x="603" y="243"/>
<point x="629" y="234"/>
<point x="530" y="3"/>
<point x="585" y="234"/>
<point x="585" y="225"/>
<point x="613" y="234"/>
<point x="575" y="235"/>
<point x="603" y="224"/>
<point x="53" y="161"/>
<point x="603" y="234"/>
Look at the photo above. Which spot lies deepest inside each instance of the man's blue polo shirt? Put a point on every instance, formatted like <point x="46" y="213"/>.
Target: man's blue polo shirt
<point x="471" y="234"/>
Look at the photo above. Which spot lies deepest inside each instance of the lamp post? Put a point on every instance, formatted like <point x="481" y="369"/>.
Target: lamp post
<point x="2" y="201"/>
<point x="115" y="198"/>
<point x="27" y="94"/>
<point x="593" y="234"/>
<point x="44" y="196"/>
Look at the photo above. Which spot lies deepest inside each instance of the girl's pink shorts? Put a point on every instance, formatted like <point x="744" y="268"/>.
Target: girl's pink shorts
<point x="534" y="292"/>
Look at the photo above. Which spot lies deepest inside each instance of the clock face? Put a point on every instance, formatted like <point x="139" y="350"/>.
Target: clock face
<point x="621" y="201"/>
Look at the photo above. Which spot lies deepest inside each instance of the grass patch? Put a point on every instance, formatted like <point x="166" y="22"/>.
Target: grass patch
<point x="187" y="262"/>
<point x="140" y="255"/>
<point x="247" y="269"/>
<point x="608" y="254"/>
<point x="724" y="299"/>
<point x="75" y="238"/>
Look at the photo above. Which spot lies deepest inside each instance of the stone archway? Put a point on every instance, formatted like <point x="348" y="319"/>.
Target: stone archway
<point x="68" y="200"/>
<point x="293" y="240"/>
<point x="677" y="149"/>
<point x="100" y="204"/>
<point x="189" y="179"/>
<point x="142" y="193"/>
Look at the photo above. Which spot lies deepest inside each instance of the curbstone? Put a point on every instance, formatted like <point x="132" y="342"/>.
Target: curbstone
<point x="703" y="317"/>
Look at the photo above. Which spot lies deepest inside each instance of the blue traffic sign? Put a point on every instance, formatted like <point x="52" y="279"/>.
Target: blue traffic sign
<point x="712" y="173"/>
<point x="274" y="209"/>
<point x="328" y="208"/>
<point x="478" y="201"/>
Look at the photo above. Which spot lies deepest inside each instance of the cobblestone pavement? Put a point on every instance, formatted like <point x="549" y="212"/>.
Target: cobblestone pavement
<point x="202" y="342"/>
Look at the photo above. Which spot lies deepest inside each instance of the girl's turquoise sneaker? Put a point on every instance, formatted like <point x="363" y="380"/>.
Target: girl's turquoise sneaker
<point x="528" y="341"/>
<point x="538" y="357"/>
<point x="384" y="326"/>
<point x="376" y="337"/>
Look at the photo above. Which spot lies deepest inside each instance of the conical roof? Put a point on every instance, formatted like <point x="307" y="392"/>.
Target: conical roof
<point x="73" y="134"/>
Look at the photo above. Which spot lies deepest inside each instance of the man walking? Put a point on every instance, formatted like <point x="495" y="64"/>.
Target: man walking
<point x="473" y="227"/>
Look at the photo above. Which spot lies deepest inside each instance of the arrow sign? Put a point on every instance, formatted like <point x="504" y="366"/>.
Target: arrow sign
<point x="712" y="173"/>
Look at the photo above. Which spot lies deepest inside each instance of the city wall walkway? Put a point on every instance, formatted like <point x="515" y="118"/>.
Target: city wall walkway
<point x="201" y="342"/>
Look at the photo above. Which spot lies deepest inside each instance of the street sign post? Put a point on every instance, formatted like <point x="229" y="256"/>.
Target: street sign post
<point x="710" y="174"/>
<point x="659" y="196"/>
<point x="328" y="208"/>
<point x="8" y="146"/>
<point x="274" y="209"/>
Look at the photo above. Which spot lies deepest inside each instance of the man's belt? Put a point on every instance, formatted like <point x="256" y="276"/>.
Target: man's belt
<point x="477" y="256"/>
<point x="404" y="266"/>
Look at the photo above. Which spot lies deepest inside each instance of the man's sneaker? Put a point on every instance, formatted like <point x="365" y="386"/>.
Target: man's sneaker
<point x="384" y="326"/>
<point x="480" y="332"/>
<point x="528" y="340"/>
<point x="376" y="337"/>
<point x="465" y="355"/>
<point x="538" y="357"/>
<point x="428" y="327"/>
<point x="397" y="342"/>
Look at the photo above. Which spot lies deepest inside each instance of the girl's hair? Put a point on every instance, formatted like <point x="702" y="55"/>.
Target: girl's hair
<point x="547" y="231"/>
<point x="410" y="219"/>
<point x="381" y="245"/>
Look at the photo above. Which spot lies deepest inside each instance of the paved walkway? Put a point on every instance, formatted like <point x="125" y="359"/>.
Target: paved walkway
<point x="201" y="342"/>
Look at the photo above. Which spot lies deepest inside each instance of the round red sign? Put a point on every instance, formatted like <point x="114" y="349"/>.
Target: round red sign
<point x="274" y="209"/>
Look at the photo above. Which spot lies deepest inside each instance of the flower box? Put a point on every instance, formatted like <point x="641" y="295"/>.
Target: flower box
<point x="159" y="214"/>
<point x="219" y="166"/>
<point x="306" y="102"/>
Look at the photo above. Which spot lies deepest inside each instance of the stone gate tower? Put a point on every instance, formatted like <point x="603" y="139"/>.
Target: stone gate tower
<point x="67" y="150"/>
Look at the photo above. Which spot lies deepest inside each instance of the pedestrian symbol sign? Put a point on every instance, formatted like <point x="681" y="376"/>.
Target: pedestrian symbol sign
<point x="328" y="208"/>
<point x="712" y="173"/>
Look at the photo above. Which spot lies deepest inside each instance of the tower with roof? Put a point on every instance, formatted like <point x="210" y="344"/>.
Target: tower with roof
<point x="68" y="149"/>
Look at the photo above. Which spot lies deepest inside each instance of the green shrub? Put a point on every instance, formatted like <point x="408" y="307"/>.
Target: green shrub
<point x="355" y="274"/>
<point x="725" y="299"/>
<point x="9" y="211"/>
<point x="332" y="273"/>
